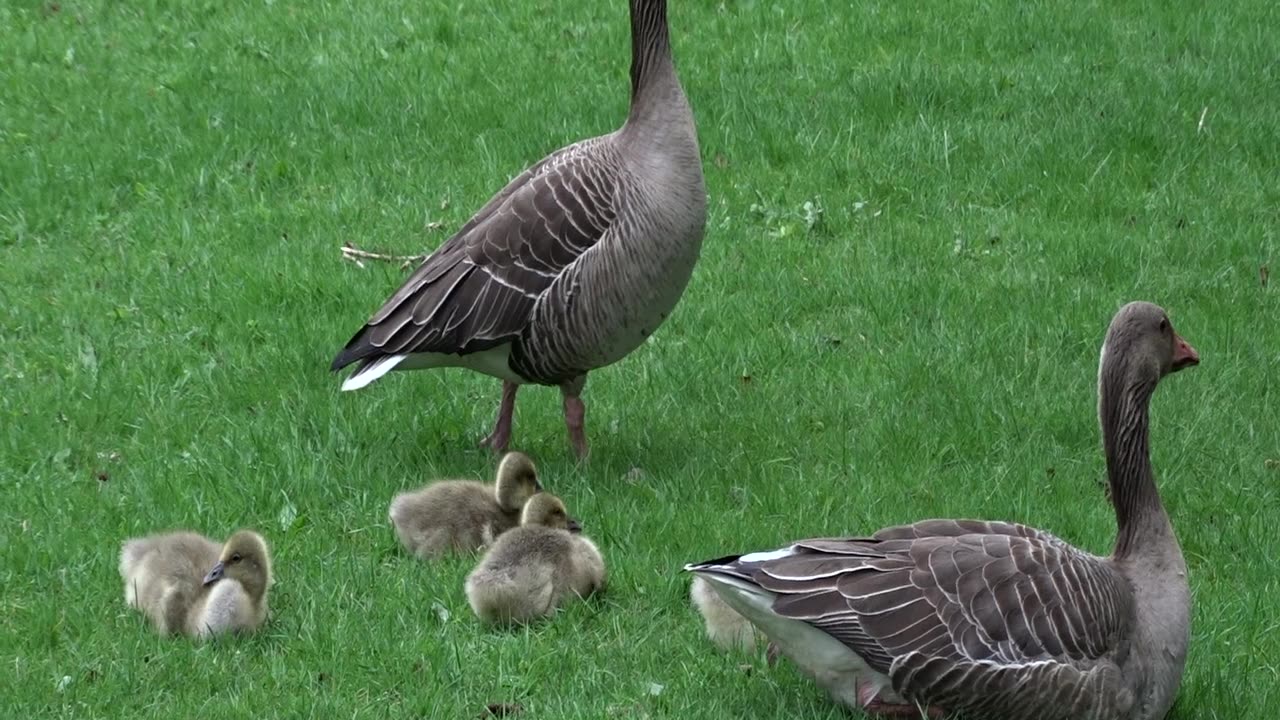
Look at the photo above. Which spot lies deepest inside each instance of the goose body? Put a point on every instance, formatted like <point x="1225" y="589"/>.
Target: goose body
<point x="535" y="568"/>
<point x="463" y="515"/>
<point x="991" y="619"/>
<point x="187" y="584"/>
<point x="568" y="268"/>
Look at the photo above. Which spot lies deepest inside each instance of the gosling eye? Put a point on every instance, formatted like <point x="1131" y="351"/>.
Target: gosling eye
<point x="1164" y="324"/>
<point x="236" y="558"/>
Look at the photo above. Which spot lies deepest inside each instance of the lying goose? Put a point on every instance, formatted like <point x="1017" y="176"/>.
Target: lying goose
<point x="464" y="515"/>
<point x="992" y="619"/>
<point x="568" y="268"/>
<point x="537" y="567"/>
<point x="188" y="584"/>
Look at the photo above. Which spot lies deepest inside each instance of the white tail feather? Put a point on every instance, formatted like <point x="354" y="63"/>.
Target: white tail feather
<point x="371" y="372"/>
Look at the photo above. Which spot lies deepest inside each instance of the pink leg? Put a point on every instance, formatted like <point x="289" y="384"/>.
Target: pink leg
<point x="872" y="705"/>
<point x="575" y="414"/>
<point x="501" y="435"/>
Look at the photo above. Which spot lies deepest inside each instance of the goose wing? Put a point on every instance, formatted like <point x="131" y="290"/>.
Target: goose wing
<point x="961" y="614"/>
<point x="477" y="290"/>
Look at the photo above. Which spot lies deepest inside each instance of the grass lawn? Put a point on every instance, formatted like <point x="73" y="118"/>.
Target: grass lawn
<point x="922" y="217"/>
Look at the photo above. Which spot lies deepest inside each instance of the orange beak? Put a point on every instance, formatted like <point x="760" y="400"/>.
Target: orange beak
<point x="1183" y="354"/>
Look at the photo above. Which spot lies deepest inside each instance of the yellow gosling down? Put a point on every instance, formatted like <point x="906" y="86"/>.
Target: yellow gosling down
<point x="187" y="584"/>
<point x="464" y="515"/>
<point x="726" y="629"/>
<point x="535" y="568"/>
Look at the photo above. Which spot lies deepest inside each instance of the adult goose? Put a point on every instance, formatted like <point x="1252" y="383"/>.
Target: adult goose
<point x="569" y="267"/>
<point x="992" y="619"/>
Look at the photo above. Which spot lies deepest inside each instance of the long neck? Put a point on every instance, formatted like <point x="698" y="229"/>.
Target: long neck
<point x="1123" y="413"/>
<point x="654" y="85"/>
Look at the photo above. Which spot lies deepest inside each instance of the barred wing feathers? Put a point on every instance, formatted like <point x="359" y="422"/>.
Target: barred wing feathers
<point x="991" y="618"/>
<point x="478" y="290"/>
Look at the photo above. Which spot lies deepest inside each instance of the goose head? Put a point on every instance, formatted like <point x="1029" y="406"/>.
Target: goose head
<point x="244" y="559"/>
<point x="517" y="481"/>
<point x="1142" y="347"/>
<point x="549" y="511"/>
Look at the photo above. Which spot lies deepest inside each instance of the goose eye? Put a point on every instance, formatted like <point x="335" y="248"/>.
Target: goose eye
<point x="1164" y="324"/>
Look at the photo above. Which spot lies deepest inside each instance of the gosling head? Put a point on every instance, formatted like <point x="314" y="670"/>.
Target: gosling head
<point x="517" y="481"/>
<point x="549" y="511"/>
<point x="1142" y="341"/>
<point x="244" y="559"/>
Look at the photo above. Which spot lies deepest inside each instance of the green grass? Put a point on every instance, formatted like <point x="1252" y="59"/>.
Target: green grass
<point x="986" y="183"/>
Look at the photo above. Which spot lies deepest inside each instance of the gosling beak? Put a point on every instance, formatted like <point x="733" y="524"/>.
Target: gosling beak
<point x="215" y="574"/>
<point x="574" y="525"/>
<point x="1184" y="355"/>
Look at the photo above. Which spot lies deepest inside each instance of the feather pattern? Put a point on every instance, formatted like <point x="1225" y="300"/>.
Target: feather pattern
<point x="939" y="604"/>
<point x="479" y="288"/>
<point x="993" y="619"/>
<point x="577" y="260"/>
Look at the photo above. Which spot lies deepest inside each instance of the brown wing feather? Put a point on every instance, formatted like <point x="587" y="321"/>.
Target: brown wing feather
<point x="984" y="689"/>
<point x="477" y="290"/>
<point x="983" y="597"/>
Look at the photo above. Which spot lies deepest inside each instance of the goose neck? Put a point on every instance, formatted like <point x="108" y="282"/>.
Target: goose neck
<point x="653" y="76"/>
<point x="1123" y="412"/>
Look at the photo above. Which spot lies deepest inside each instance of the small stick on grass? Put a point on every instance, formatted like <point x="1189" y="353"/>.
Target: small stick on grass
<point x="355" y="255"/>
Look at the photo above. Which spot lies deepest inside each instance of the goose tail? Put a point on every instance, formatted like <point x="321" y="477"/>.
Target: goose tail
<point x="371" y="370"/>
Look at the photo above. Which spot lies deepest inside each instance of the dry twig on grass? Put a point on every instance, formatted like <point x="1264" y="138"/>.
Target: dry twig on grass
<point x="355" y="255"/>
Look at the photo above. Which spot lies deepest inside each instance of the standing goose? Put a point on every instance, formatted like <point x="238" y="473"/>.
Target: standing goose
<point x="570" y="266"/>
<point x="991" y="619"/>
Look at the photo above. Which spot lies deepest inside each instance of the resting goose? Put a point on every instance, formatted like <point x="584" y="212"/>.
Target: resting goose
<point x="569" y="267"/>
<point x="187" y="584"/>
<point x="991" y="619"/>
<point x="537" y="567"/>
<point x="464" y="515"/>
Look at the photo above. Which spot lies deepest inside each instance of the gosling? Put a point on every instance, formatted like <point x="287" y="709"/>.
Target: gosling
<point x="535" y="568"/>
<point x="726" y="629"/>
<point x="187" y="584"/>
<point x="464" y="515"/>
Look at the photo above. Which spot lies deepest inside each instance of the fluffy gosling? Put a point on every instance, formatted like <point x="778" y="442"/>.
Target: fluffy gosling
<point x="185" y="583"/>
<point x="464" y="515"/>
<point x="535" y="568"/>
<point x="726" y="629"/>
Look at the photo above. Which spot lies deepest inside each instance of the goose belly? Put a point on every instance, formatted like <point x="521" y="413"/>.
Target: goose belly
<point x="492" y="362"/>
